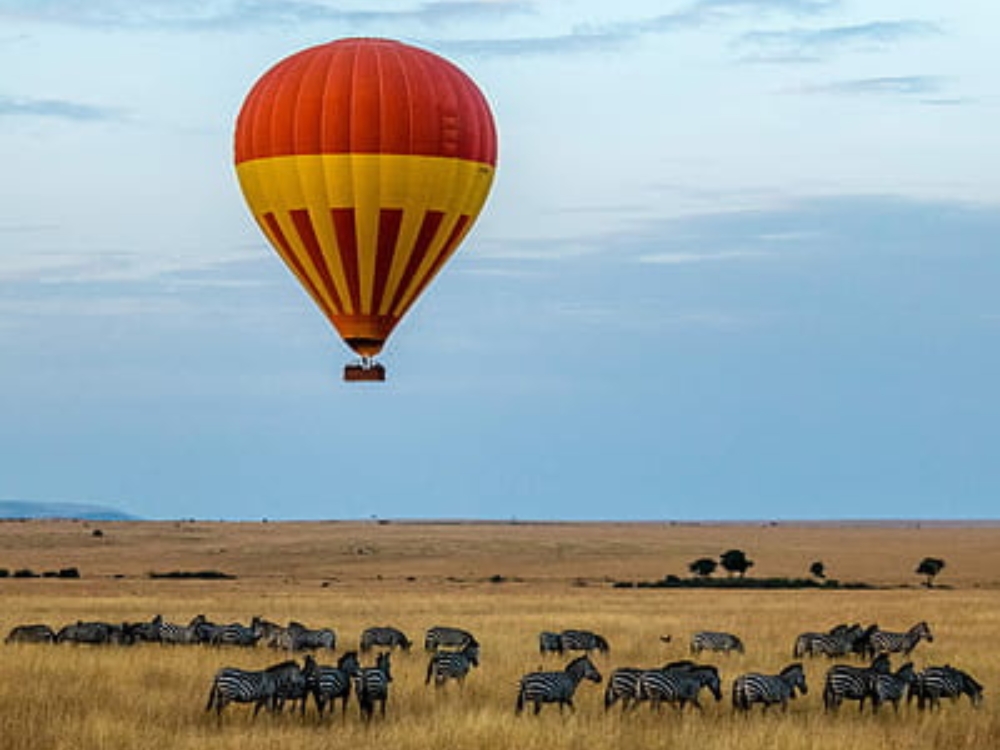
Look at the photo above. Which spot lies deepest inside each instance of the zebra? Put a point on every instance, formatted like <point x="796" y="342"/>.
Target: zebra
<point x="145" y="632"/>
<point x="935" y="683"/>
<point x="622" y="685"/>
<point x="555" y="687"/>
<point x="31" y="634"/>
<point x="889" y="688"/>
<point x="385" y="636"/>
<point x="885" y="642"/>
<point x="330" y="683"/>
<point x="297" y="637"/>
<point x="839" y="641"/>
<point x="678" y="685"/>
<point x="233" y="685"/>
<point x="769" y="689"/>
<point x="445" y="665"/>
<point x="92" y="632"/>
<point x="549" y="642"/>
<point x="371" y="684"/>
<point x="441" y="635"/>
<point x="707" y="640"/>
<point x="291" y="682"/>
<point x="174" y="634"/>
<point x="583" y="640"/>
<point x="235" y="634"/>
<point x="844" y="682"/>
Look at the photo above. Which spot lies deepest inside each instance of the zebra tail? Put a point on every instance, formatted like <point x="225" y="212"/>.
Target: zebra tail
<point x="212" y="696"/>
<point x="430" y="671"/>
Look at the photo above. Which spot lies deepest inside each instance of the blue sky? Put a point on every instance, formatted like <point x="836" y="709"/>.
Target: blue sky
<point x="740" y="261"/>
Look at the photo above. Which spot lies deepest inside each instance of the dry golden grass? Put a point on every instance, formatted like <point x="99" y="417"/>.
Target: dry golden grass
<point x="415" y="576"/>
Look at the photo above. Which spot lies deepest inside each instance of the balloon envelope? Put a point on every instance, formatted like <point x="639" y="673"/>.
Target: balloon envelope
<point x="365" y="162"/>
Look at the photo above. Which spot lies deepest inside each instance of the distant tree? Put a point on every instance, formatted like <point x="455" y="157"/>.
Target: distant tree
<point x="930" y="567"/>
<point x="735" y="561"/>
<point x="703" y="567"/>
<point x="817" y="569"/>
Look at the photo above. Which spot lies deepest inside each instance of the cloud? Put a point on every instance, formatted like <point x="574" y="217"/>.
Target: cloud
<point x="679" y="258"/>
<point x="58" y="109"/>
<point x="236" y="15"/>
<point x="810" y="45"/>
<point x="879" y="86"/>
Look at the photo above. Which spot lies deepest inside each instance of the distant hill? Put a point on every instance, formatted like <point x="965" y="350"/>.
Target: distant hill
<point x="85" y="511"/>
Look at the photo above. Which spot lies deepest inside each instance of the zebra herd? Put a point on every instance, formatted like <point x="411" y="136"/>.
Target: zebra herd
<point x="453" y="653"/>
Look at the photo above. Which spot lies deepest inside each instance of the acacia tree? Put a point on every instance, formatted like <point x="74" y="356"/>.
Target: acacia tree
<point x="735" y="561"/>
<point x="930" y="567"/>
<point x="703" y="567"/>
<point x="817" y="569"/>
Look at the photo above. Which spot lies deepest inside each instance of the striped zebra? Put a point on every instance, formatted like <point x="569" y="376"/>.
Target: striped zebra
<point x="583" y="640"/>
<point x="838" y="641"/>
<point x="291" y="682"/>
<point x="31" y="634"/>
<point x="172" y="633"/>
<point x="452" y="665"/>
<point x="886" y="642"/>
<point x="441" y="635"/>
<point x="233" y="685"/>
<point x="679" y="685"/>
<point x="555" y="687"/>
<point x="550" y="643"/>
<point x="707" y="640"/>
<point x="386" y="637"/>
<point x="844" y="682"/>
<point x="297" y="637"/>
<point x="889" y="688"/>
<point x="235" y="634"/>
<point x="93" y="633"/>
<point x="624" y="682"/>
<point x="371" y="684"/>
<point x="935" y="683"/>
<point x="768" y="689"/>
<point x="329" y="684"/>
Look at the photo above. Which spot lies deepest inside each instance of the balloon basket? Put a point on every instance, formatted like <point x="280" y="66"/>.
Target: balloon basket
<point x="364" y="372"/>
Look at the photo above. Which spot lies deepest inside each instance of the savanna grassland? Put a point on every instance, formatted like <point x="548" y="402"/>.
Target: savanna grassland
<point x="505" y="582"/>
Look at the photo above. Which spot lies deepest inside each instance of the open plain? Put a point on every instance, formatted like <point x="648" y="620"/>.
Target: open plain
<point x="505" y="582"/>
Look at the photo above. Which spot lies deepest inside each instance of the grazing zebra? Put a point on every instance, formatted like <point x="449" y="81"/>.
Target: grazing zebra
<point x="31" y="634"/>
<point x="678" y="685"/>
<point x="92" y="632"/>
<point x="330" y="683"/>
<point x="769" y="689"/>
<point x="889" y="688"/>
<point x="885" y="642"/>
<point x="707" y="640"/>
<point x="452" y="665"/>
<point x="583" y="640"/>
<point x="935" y="683"/>
<point x="555" y="687"/>
<point x="844" y="682"/>
<point x="297" y="637"/>
<point x="232" y="685"/>
<point x="387" y="637"/>
<point x="622" y="685"/>
<point x="838" y="641"/>
<point x="372" y="686"/>
<point x="441" y="635"/>
<point x="549" y="642"/>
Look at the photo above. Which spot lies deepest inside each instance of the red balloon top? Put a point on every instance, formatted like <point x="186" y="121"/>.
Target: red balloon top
<point x="371" y="96"/>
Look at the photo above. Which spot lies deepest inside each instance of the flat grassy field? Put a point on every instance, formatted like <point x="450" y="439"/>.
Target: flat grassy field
<point x="505" y="582"/>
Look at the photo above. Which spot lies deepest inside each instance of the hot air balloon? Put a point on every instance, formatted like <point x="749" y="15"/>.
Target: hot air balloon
<point x="365" y="162"/>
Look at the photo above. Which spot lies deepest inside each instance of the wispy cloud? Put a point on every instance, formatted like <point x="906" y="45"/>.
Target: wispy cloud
<point x="60" y="109"/>
<point x="920" y="86"/>
<point x="236" y="15"/>
<point x="681" y="258"/>
<point x="805" y="45"/>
